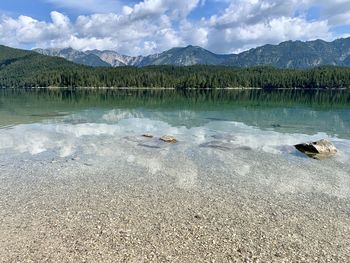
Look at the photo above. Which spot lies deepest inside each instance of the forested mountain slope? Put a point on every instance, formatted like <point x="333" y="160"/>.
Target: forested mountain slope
<point x="20" y="68"/>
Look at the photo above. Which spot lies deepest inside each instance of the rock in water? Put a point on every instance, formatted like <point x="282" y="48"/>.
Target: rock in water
<point x="146" y="135"/>
<point x="318" y="150"/>
<point x="168" y="139"/>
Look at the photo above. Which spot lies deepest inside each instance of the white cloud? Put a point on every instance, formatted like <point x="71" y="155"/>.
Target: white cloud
<point x="336" y="12"/>
<point x="249" y="23"/>
<point x="254" y="11"/>
<point x="26" y="30"/>
<point x="155" y="25"/>
<point x="174" y="8"/>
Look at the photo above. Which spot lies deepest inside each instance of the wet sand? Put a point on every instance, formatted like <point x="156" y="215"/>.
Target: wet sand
<point x="83" y="210"/>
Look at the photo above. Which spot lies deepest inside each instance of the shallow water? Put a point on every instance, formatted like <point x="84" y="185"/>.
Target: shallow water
<point x="246" y="132"/>
<point x="237" y="143"/>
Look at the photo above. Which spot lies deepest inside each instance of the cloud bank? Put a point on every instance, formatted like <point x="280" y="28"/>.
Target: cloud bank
<point x="152" y="26"/>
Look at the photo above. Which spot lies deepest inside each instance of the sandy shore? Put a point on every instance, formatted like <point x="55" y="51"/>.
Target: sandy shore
<point x="75" y="210"/>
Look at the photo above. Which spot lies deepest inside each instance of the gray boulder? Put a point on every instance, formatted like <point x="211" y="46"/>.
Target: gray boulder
<point x="318" y="150"/>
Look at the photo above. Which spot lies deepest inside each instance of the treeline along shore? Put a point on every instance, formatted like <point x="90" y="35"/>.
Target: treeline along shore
<point x="20" y="68"/>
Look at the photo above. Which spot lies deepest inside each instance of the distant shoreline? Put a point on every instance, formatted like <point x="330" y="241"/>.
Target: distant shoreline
<point x="172" y="88"/>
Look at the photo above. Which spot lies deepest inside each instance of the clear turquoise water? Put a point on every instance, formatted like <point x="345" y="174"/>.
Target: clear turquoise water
<point x="247" y="133"/>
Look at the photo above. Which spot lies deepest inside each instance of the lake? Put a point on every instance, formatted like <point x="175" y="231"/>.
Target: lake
<point x="79" y="181"/>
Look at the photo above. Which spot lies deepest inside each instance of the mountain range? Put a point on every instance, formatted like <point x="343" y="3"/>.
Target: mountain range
<point x="289" y="54"/>
<point x="24" y="68"/>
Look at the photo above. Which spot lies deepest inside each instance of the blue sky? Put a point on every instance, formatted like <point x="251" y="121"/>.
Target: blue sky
<point x="150" y="26"/>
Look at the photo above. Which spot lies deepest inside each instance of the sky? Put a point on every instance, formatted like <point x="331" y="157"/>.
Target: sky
<point x="151" y="26"/>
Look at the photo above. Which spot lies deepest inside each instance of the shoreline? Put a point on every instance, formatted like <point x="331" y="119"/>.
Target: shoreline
<point x="172" y="88"/>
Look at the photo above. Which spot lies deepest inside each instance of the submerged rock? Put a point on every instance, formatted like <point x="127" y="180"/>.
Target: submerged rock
<point x="225" y="146"/>
<point x="318" y="150"/>
<point x="146" y="135"/>
<point x="168" y="139"/>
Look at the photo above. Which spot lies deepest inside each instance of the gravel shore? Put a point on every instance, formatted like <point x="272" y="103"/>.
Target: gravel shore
<point x="79" y="210"/>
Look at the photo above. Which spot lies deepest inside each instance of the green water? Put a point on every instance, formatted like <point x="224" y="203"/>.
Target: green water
<point x="295" y="111"/>
<point x="240" y="138"/>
